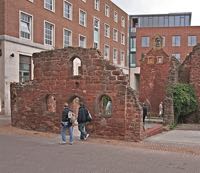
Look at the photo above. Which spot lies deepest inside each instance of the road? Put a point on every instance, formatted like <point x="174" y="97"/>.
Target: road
<point x="34" y="154"/>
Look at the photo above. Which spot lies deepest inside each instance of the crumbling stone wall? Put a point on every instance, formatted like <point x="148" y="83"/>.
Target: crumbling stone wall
<point x="154" y="79"/>
<point x="38" y="104"/>
<point x="189" y="73"/>
<point x="195" y="70"/>
<point x="168" y="117"/>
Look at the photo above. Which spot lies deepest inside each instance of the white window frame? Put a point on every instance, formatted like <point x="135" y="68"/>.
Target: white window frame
<point x="98" y="43"/>
<point x="115" y="59"/>
<point x="70" y="40"/>
<point x="176" y="43"/>
<point x="23" y="71"/>
<point x="71" y="12"/>
<point x="115" y="17"/>
<point x="147" y="41"/>
<point x="108" y="56"/>
<point x="107" y="10"/>
<point x="123" y="38"/>
<point x="85" y="18"/>
<point x="123" y="22"/>
<point x="115" y="37"/>
<point x="97" y="5"/>
<point x="132" y="44"/>
<point x="53" y="33"/>
<point x="53" y="6"/>
<point x="31" y="27"/>
<point x="190" y="38"/>
<point x="122" y="61"/>
<point x="106" y="30"/>
<point x="85" y="41"/>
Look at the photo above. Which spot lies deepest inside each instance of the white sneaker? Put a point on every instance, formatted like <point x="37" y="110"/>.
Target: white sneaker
<point x="62" y="142"/>
<point x="87" y="136"/>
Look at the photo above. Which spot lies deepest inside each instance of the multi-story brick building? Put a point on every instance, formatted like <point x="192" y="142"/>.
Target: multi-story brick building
<point x="28" y="26"/>
<point x="177" y="34"/>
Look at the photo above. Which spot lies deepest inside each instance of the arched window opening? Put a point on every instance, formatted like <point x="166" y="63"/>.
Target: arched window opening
<point x="76" y="67"/>
<point x="51" y="104"/>
<point x="105" y="106"/>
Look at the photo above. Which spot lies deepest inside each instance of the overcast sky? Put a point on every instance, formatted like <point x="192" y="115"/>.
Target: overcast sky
<point x="161" y="6"/>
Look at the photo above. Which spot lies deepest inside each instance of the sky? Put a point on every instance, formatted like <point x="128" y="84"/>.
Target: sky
<point x="134" y="7"/>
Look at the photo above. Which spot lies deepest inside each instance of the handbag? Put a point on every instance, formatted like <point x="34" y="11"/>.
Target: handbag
<point x="73" y="119"/>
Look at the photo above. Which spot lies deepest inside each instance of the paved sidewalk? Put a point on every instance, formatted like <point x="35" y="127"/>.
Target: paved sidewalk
<point x="5" y="119"/>
<point x="178" y="137"/>
<point x="183" y="141"/>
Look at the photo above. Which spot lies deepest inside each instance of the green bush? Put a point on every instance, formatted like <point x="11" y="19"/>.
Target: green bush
<point x="184" y="99"/>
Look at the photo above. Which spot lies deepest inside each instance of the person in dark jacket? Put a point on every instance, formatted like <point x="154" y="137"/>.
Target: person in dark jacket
<point x="66" y="124"/>
<point x="144" y="108"/>
<point x="82" y="119"/>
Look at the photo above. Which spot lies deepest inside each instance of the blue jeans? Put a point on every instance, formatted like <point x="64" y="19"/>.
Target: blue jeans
<point x="63" y="133"/>
<point x="81" y="128"/>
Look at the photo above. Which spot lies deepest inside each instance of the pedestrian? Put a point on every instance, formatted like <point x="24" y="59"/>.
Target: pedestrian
<point x="66" y="123"/>
<point x="144" y="108"/>
<point x="83" y="115"/>
<point x="161" y="109"/>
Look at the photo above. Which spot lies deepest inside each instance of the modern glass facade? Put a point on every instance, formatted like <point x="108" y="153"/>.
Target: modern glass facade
<point x="161" y="20"/>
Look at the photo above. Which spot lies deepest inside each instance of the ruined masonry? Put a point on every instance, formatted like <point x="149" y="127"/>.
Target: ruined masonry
<point x="74" y="74"/>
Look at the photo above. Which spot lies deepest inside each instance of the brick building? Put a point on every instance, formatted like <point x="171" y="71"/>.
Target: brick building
<point x="29" y="26"/>
<point x="177" y="34"/>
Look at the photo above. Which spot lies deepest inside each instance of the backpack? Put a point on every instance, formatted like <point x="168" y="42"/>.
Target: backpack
<point x="65" y="115"/>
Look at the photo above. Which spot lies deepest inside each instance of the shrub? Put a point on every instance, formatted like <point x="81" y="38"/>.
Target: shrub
<point x="184" y="99"/>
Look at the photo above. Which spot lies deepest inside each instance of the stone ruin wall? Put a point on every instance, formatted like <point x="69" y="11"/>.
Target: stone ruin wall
<point x="190" y="73"/>
<point x="55" y="83"/>
<point x="154" y="79"/>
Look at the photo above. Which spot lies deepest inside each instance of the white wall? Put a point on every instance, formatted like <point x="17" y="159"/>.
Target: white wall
<point x="11" y="68"/>
<point x="134" y="83"/>
<point x="1" y="77"/>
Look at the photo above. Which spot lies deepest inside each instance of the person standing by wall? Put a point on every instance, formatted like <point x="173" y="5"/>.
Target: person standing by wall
<point x="144" y="108"/>
<point x="66" y="123"/>
<point x="161" y="109"/>
<point x="82" y="119"/>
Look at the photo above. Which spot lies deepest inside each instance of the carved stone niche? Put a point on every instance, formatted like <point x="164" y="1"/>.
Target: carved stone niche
<point x="150" y="60"/>
<point x="159" y="59"/>
<point x="157" y="42"/>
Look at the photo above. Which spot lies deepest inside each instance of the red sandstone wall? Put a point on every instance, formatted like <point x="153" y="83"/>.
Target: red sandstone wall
<point x="2" y="16"/>
<point x="53" y="75"/>
<point x="153" y="81"/>
<point x="195" y="70"/>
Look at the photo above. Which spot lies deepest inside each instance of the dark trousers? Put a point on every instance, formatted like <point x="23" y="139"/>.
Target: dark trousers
<point x="144" y="115"/>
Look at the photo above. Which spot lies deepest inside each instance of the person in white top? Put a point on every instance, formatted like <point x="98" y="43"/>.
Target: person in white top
<point x="161" y="109"/>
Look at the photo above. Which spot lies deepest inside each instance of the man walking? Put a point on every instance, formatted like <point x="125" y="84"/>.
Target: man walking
<point x="82" y="119"/>
<point x="66" y="123"/>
